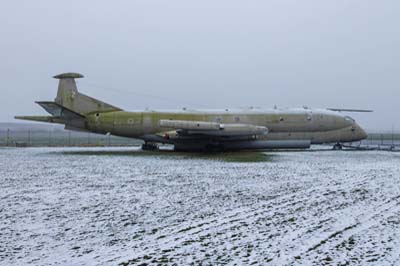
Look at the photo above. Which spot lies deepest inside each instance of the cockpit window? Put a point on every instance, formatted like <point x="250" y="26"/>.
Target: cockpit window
<point x="348" y="118"/>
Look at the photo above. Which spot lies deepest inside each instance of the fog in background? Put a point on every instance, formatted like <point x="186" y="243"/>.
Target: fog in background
<point x="212" y="54"/>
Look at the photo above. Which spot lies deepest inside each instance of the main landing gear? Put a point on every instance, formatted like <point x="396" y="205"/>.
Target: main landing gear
<point x="150" y="146"/>
<point x="337" y="147"/>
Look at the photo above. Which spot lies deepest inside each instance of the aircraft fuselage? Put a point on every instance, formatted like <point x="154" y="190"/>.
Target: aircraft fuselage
<point x="315" y="125"/>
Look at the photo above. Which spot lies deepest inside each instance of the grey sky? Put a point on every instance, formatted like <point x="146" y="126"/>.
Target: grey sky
<point x="215" y="53"/>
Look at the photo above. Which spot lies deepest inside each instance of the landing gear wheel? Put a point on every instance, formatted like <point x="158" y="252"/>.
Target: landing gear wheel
<point x="149" y="146"/>
<point x="337" y="147"/>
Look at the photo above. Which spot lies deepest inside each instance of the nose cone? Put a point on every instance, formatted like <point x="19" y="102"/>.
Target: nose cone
<point x="359" y="133"/>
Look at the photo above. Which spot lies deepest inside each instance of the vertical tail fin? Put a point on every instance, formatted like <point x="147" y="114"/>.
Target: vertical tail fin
<point x="69" y="97"/>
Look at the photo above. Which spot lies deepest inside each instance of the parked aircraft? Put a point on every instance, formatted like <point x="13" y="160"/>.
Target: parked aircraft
<point x="188" y="130"/>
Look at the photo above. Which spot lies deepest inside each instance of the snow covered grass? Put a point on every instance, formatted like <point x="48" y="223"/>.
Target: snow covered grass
<point x="102" y="206"/>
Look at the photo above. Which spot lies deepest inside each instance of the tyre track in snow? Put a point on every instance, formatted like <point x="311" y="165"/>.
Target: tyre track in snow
<point x="345" y="231"/>
<point x="209" y="213"/>
<point x="173" y="240"/>
<point x="176" y="237"/>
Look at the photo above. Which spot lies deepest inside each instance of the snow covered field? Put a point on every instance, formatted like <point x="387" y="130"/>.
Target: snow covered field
<point x="110" y="206"/>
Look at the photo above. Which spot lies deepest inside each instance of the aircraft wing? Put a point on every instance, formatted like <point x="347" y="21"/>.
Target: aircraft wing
<point x="212" y="129"/>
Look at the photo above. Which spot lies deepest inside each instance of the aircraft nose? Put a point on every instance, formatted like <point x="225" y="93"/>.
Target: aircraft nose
<point x="359" y="132"/>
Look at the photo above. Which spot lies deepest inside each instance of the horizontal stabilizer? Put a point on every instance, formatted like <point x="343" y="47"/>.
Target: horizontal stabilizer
<point x="60" y="111"/>
<point x="349" y="110"/>
<point x="46" y="119"/>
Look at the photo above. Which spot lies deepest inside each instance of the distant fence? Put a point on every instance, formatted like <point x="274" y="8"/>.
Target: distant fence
<point x="25" y="138"/>
<point x="51" y="137"/>
<point x="382" y="138"/>
<point x="382" y="141"/>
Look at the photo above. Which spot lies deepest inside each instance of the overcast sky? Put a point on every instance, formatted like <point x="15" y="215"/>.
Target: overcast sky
<point x="205" y="54"/>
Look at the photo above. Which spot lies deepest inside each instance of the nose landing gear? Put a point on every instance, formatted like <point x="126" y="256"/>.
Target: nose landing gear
<point x="337" y="147"/>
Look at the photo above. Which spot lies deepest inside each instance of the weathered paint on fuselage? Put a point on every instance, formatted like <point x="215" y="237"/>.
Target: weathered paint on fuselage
<point x="316" y="125"/>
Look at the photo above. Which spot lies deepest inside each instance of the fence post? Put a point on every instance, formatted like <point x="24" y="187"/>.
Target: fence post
<point x="8" y="137"/>
<point x="392" y="138"/>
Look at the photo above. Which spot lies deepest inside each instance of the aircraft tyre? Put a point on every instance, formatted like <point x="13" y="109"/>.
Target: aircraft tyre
<point x="337" y="147"/>
<point x="149" y="146"/>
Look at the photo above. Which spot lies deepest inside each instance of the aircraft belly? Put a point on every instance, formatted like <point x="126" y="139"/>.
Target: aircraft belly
<point x="276" y="140"/>
<point x="270" y="144"/>
<point x="243" y="145"/>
